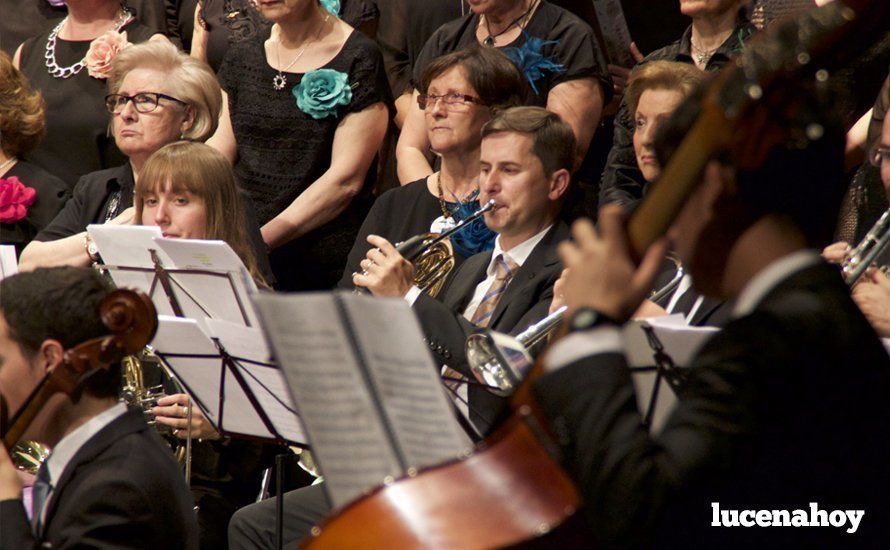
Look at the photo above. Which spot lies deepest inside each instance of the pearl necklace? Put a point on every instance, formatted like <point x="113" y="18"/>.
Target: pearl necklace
<point x="54" y="69"/>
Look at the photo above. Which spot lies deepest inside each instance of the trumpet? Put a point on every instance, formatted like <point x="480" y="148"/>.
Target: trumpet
<point x="672" y="285"/>
<point x="868" y="249"/>
<point x="501" y="361"/>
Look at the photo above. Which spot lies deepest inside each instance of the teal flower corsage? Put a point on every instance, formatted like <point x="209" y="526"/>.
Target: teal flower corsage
<point x="321" y="91"/>
<point x="531" y="60"/>
<point x="332" y="6"/>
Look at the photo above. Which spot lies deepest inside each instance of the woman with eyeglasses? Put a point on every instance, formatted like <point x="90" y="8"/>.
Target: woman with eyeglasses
<point x="555" y="50"/>
<point x="158" y="95"/>
<point x="68" y="65"/>
<point x="458" y="93"/>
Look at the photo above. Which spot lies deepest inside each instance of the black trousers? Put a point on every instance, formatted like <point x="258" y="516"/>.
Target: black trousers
<point x="253" y="526"/>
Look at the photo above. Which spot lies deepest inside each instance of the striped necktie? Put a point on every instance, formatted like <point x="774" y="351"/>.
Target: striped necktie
<point x="505" y="268"/>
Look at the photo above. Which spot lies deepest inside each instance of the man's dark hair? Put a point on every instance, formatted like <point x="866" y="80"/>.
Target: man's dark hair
<point x="59" y="303"/>
<point x="801" y="181"/>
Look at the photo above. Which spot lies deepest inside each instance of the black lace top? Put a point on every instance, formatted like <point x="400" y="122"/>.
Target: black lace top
<point x="283" y="150"/>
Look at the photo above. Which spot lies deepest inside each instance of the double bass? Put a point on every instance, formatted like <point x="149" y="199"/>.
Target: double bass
<point x="512" y="490"/>
<point x="131" y="320"/>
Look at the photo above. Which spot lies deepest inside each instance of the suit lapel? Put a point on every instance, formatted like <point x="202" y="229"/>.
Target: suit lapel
<point x="463" y="285"/>
<point x="129" y="422"/>
<point x="517" y="296"/>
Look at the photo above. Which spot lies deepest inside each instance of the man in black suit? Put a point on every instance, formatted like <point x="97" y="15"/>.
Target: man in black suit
<point x="785" y="407"/>
<point x="110" y="481"/>
<point x="526" y="161"/>
<point x="527" y="155"/>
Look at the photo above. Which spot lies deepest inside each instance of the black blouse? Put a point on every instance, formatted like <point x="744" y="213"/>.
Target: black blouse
<point x="92" y="202"/>
<point x="574" y="47"/>
<point x="77" y="140"/>
<point x="283" y="150"/>
<point x="51" y="196"/>
<point x="397" y="215"/>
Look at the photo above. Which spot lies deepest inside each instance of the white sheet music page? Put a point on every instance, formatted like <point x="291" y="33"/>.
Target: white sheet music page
<point x="265" y="379"/>
<point x="205" y="295"/>
<point x="127" y="246"/>
<point x="406" y="378"/>
<point x="8" y="263"/>
<point x="348" y="436"/>
<point x="680" y="341"/>
<point x="201" y="376"/>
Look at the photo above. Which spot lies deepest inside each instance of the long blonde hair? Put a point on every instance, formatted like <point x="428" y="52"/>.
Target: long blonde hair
<point x="202" y="171"/>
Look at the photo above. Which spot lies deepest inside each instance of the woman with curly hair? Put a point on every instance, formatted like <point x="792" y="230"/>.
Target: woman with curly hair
<point x="30" y="197"/>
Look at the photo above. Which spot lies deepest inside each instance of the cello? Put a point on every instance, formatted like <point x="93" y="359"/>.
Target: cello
<point x="512" y="491"/>
<point x="132" y="322"/>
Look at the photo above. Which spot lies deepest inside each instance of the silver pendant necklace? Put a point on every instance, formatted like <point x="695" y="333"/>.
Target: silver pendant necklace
<point x="279" y="81"/>
<point x="67" y="72"/>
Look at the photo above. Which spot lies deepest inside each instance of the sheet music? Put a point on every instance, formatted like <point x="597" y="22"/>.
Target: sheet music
<point x="405" y="377"/>
<point x="128" y="246"/>
<point x="680" y="341"/>
<point x="8" y="263"/>
<point x="201" y="376"/>
<point x="210" y="295"/>
<point x="223" y="295"/>
<point x="265" y="380"/>
<point x="347" y="434"/>
<point x="615" y="32"/>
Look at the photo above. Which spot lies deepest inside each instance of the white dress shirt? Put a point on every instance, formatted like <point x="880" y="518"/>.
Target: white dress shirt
<point x="69" y="445"/>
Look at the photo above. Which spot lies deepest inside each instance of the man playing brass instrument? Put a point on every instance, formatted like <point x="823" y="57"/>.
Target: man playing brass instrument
<point x="526" y="159"/>
<point x="780" y="434"/>
<point x="110" y="482"/>
<point x="527" y="153"/>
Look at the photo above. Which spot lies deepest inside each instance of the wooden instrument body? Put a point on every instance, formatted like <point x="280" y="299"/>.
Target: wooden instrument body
<point x="132" y="321"/>
<point x="512" y="490"/>
<point x="508" y="491"/>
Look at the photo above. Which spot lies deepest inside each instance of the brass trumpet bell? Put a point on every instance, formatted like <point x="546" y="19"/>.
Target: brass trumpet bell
<point x="502" y="362"/>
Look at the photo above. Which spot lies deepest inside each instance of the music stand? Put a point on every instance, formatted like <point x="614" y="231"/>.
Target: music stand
<point x="185" y="278"/>
<point x="226" y="370"/>
<point x="658" y="350"/>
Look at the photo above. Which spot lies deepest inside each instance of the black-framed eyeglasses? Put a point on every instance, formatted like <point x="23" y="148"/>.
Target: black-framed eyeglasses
<point x="451" y="100"/>
<point x="144" y="102"/>
<point x="879" y="154"/>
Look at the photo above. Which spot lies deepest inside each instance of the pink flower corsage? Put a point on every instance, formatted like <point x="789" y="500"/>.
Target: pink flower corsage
<point x="15" y="198"/>
<point x="103" y="51"/>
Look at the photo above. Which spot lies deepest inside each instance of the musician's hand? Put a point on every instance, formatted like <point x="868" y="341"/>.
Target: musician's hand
<point x="559" y="298"/>
<point x="172" y="410"/>
<point x="872" y="295"/>
<point x="649" y="309"/>
<point x="836" y="253"/>
<point x="620" y="76"/>
<point x="10" y="482"/>
<point x="601" y="273"/>
<point x="386" y="272"/>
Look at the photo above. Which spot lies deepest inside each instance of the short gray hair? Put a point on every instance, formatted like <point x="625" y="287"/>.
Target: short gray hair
<point x="191" y="80"/>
